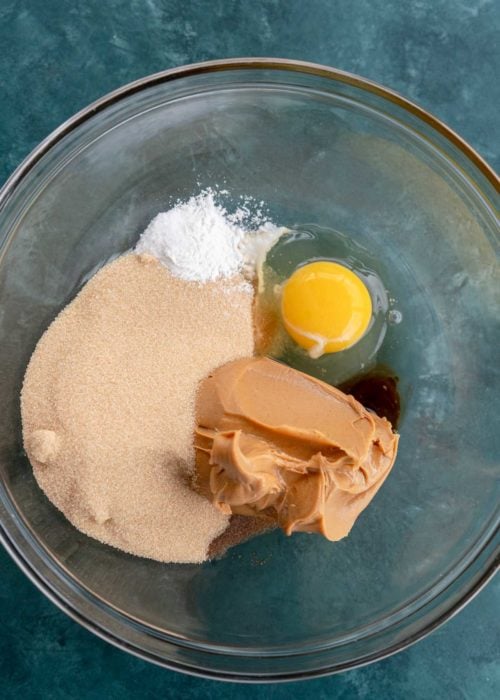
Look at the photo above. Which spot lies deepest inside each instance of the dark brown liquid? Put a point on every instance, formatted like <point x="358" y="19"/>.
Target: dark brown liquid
<point x="378" y="391"/>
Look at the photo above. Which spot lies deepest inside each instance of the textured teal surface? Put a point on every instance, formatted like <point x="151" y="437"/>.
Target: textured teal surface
<point x="58" y="55"/>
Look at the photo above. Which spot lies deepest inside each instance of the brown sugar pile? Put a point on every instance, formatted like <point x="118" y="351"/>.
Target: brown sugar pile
<point x="241" y="528"/>
<point x="108" y="405"/>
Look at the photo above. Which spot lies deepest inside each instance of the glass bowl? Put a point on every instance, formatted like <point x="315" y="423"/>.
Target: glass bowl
<point x="320" y="147"/>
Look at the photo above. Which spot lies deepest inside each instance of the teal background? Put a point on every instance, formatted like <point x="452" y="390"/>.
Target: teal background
<point x="56" y="56"/>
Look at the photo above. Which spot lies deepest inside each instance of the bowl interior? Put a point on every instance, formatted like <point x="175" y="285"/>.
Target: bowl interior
<point x="316" y="152"/>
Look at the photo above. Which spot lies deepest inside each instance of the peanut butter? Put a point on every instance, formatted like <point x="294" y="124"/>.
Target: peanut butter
<point x="276" y="443"/>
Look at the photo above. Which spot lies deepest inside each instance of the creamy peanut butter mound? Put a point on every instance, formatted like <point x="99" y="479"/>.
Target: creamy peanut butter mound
<point x="276" y="443"/>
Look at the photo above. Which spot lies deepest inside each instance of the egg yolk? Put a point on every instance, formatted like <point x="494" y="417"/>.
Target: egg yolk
<point x="325" y="307"/>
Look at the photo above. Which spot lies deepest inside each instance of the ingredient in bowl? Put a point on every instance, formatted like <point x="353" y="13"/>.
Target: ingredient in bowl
<point x="306" y="244"/>
<point x="378" y="391"/>
<point x="198" y="240"/>
<point x="325" y="307"/>
<point x="276" y="443"/>
<point x="240" y="529"/>
<point x="108" y="404"/>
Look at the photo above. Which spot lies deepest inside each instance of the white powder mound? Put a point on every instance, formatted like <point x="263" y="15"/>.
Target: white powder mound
<point x="199" y="241"/>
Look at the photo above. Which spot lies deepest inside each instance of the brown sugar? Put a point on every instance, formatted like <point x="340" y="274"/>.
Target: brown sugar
<point x="240" y="529"/>
<point x="108" y="404"/>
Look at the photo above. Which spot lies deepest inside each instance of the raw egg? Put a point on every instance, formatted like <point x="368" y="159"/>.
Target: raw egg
<point x="325" y="307"/>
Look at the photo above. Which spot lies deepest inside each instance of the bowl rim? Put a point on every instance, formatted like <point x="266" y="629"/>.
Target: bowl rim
<point x="185" y="71"/>
<point x="250" y="63"/>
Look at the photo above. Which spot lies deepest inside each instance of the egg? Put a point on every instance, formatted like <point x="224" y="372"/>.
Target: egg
<point x="325" y="307"/>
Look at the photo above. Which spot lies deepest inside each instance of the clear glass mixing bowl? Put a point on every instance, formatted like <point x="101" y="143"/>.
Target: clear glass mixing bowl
<point x="323" y="147"/>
